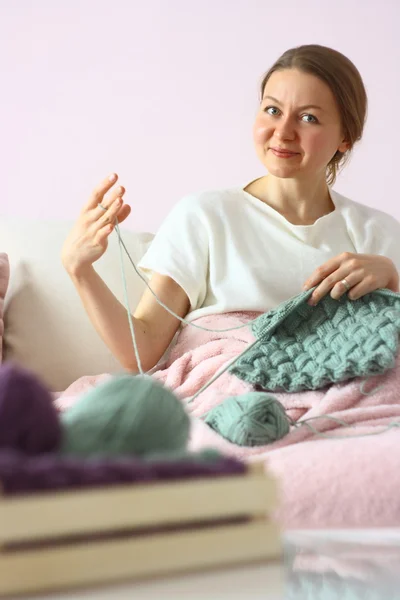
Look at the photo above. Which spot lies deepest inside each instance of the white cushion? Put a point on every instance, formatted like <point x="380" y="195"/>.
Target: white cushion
<point x="46" y="327"/>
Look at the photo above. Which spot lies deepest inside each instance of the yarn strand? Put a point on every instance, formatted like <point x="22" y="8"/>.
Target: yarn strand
<point x="126" y="297"/>
<point x="291" y="422"/>
<point x="327" y="436"/>
<point x="171" y="312"/>
<point x="132" y="329"/>
<point x="222" y="371"/>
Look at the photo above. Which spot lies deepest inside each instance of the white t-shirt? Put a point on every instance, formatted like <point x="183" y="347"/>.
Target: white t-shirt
<point x="230" y="251"/>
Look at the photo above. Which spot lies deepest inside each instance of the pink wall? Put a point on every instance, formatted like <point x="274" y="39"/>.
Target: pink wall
<point x="164" y="92"/>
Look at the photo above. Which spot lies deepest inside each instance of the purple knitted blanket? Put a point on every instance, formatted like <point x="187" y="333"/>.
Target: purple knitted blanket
<point x="22" y="474"/>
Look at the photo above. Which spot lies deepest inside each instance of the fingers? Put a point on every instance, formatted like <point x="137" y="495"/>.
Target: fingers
<point x="335" y="286"/>
<point x="103" y="233"/>
<point x="328" y="276"/>
<point x="97" y="210"/>
<point x="107" y="225"/>
<point x="97" y="196"/>
<point x="103" y="226"/>
<point x="323" y="271"/>
<point x="110" y="214"/>
<point x="124" y="213"/>
<point x="357" y="291"/>
<point x="343" y="286"/>
<point x="108" y="200"/>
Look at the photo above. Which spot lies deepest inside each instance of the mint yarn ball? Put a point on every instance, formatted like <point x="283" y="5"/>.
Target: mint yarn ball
<point x="252" y="419"/>
<point x="127" y="415"/>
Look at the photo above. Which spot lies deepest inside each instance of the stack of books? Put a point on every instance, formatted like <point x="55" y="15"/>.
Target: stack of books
<point x="64" y="538"/>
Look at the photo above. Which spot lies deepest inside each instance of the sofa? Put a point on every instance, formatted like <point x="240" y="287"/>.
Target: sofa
<point x="338" y="482"/>
<point x="46" y="328"/>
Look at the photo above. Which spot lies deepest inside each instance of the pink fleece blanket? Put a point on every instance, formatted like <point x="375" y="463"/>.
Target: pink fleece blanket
<point x="339" y="482"/>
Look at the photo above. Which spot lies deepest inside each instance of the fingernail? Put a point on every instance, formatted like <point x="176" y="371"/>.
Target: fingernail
<point x="112" y="177"/>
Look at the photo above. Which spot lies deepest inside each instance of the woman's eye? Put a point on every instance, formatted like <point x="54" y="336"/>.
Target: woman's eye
<point x="271" y="108"/>
<point x="312" y="116"/>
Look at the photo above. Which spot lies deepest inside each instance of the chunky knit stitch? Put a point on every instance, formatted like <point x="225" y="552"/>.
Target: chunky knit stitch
<point x="301" y="347"/>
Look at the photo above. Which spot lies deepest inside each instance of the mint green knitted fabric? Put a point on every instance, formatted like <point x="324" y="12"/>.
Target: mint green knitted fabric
<point x="302" y="347"/>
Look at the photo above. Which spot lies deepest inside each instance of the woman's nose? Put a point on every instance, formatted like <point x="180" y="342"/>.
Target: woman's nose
<point x="285" y="129"/>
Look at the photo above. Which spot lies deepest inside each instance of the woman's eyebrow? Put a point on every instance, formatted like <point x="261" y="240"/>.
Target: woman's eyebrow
<point x="299" y="108"/>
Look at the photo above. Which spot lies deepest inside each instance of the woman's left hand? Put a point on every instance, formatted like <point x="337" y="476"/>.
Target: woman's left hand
<point x="363" y="273"/>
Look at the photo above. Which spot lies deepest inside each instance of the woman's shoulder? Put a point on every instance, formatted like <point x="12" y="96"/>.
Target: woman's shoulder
<point x="363" y="214"/>
<point x="201" y="211"/>
<point x="210" y="201"/>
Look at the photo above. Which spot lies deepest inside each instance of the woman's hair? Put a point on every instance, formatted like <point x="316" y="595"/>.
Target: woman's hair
<point x="346" y="84"/>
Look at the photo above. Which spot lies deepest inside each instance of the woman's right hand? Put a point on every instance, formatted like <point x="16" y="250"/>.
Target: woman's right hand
<point x="88" y="239"/>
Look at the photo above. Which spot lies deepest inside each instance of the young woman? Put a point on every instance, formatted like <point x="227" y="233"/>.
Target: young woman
<point x="251" y="248"/>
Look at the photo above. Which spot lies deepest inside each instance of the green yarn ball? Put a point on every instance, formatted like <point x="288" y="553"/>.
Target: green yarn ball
<point x="123" y="416"/>
<point x="252" y="419"/>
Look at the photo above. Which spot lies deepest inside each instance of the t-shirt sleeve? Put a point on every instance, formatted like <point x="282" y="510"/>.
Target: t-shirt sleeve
<point x="180" y="250"/>
<point x="385" y="238"/>
<point x="374" y="232"/>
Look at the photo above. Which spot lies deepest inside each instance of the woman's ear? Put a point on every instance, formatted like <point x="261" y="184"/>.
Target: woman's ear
<point x="344" y="146"/>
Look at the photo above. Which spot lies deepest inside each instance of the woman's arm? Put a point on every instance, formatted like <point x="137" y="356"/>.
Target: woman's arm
<point x="88" y="240"/>
<point x="154" y="327"/>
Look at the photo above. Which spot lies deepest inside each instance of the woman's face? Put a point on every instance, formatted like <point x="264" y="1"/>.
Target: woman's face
<point x="298" y="113"/>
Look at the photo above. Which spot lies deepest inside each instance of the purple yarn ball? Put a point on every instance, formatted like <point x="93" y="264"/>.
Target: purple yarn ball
<point x="29" y="421"/>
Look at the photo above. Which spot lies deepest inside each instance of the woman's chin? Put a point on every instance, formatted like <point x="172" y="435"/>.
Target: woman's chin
<point x="280" y="170"/>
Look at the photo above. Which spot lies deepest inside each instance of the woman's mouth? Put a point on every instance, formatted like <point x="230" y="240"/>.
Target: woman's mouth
<point x="283" y="154"/>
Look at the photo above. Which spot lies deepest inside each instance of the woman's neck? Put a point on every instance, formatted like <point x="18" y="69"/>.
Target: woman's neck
<point x="301" y="203"/>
